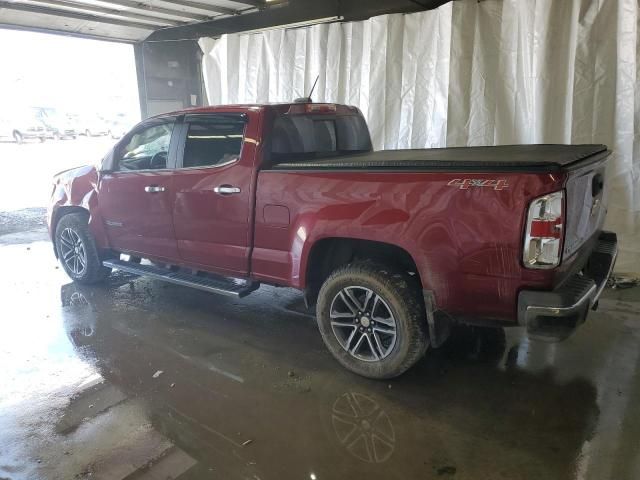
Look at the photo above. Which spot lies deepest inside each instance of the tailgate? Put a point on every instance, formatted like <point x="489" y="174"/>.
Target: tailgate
<point x="586" y="205"/>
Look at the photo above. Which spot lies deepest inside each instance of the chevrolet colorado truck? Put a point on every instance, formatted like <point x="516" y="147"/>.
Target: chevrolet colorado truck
<point x="392" y="247"/>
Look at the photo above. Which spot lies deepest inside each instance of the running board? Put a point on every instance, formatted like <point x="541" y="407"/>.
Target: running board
<point x="222" y="285"/>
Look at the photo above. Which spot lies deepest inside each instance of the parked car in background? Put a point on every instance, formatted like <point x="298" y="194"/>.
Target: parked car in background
<point x="22" y="125"/>
<point x="393" y="247"/>
<point x="119" y="125"/>
<point x="57" y="125"/>
<point x="93" y="126"/>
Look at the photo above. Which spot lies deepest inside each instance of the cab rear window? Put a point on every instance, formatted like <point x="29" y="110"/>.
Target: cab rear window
<point x="307" y="136"/>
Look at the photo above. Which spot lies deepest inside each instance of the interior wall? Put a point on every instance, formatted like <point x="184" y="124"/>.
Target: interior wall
<point x="467" y="73"/>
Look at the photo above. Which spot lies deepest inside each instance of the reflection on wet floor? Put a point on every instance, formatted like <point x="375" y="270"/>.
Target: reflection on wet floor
<point x="142" y="380"/>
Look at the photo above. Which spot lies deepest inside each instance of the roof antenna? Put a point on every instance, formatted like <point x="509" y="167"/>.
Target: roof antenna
<point x="307" y="99"/>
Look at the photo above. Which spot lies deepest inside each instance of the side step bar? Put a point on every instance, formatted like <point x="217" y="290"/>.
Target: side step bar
<point x="210" y="283"/>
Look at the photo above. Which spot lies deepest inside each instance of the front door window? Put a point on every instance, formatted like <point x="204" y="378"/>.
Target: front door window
<point x="147" y="149"/>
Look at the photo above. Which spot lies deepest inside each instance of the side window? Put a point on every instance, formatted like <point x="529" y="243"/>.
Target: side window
<point x="211" y="143"/>
<point x="147" y="149"/>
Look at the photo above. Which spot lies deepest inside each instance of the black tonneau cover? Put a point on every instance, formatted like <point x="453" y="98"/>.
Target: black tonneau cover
<point x="499" y="158"/>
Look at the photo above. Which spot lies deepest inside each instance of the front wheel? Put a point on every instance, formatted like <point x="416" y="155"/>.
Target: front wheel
<point x="372" y="319"/>
<point x="77" y="250"/>
<point x="17" y="137"/>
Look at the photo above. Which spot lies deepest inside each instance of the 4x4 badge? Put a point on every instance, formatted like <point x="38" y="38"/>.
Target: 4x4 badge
<point x="467" y="183"/>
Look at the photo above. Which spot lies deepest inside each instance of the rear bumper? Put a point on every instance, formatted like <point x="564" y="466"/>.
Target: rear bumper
<point x="554" y="315"/>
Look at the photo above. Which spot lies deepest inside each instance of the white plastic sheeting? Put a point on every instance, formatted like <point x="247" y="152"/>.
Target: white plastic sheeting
<point x="468" y="73"/>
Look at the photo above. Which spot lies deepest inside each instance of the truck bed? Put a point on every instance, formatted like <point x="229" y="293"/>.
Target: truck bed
<point x="539" y="158"/>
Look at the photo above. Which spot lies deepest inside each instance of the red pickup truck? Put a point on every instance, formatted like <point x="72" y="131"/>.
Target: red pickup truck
<point x="392" y="247"/>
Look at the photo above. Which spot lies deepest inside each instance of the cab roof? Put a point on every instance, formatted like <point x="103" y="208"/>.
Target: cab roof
<point x="278" y="107"/>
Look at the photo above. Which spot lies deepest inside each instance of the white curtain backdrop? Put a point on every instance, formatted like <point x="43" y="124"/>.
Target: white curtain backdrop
<point x="468" y="73"/>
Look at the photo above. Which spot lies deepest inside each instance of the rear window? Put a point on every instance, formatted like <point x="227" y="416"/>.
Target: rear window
<point x="213" y="143"/>
<point x="305" y="136"/>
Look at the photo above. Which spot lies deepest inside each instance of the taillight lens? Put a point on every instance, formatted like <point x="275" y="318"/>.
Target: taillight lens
<point x="543" y="235"/>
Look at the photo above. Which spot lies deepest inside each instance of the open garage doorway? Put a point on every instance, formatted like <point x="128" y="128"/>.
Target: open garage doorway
<point x="65" y="101"/>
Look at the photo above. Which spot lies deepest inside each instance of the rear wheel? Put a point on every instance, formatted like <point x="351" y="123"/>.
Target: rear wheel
<point x="372" y="319"/>
<point x="87" y="132"/>
<point x="77" y="250"/>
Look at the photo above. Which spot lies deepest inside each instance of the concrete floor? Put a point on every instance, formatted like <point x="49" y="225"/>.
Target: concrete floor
<point x="142" y="380"/>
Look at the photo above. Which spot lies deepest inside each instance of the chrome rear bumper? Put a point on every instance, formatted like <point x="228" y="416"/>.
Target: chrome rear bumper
<point x="553" y="316"/>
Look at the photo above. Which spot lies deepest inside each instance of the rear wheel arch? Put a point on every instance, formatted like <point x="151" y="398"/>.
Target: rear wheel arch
<point x="328" y="254"/>
<point x="372" y="319"/>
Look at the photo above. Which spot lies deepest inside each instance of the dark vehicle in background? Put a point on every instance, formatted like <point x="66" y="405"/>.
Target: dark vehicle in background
<point x="22" y="125"/>
<point x="57" y="125"/>
<point x="393" y="247"/>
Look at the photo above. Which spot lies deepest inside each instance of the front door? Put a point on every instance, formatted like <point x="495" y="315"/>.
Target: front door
<point x="213" y="188"/>
<point x="136" y="199"/>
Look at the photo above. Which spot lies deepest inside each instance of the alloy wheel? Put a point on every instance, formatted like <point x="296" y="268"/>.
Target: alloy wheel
<point x="73" y="252"/>
<point x="363" y="323"/>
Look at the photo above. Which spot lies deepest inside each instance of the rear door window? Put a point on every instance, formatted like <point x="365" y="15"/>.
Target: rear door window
<point x="213" y="142"/>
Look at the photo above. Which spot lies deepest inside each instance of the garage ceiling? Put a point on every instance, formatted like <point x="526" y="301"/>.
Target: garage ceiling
<point x="137" y="20"/>
<point x="124" y="20"/>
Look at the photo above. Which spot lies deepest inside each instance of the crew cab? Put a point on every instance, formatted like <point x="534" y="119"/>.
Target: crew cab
<point x="392" y="247"/>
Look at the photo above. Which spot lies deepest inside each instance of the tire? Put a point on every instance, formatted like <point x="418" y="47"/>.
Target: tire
<point x="18" y="138"/>
<point x="73" y="231"/>
<point x="87" y="133"/>
<point x="397" y="294"/>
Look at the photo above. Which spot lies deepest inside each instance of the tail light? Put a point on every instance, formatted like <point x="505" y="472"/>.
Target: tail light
<point x="543" y="236"/>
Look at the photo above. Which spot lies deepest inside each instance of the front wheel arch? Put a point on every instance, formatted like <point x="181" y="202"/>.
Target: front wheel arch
<point x="61" y="212"/>
<point x="72" y="234"/>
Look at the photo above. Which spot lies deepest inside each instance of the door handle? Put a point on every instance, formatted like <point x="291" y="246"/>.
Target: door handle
<point x="226" y="190"/>
<point x="154" y="189"/>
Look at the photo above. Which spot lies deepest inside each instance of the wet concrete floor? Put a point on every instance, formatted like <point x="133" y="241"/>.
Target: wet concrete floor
<point x="137" y="379"/>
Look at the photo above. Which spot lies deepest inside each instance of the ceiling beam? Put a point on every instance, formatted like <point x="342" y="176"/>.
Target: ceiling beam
<point x="20" y="7"/>
<point x="204" y="6"/>
<point x="157" y="21"/>
<point x="253" y="3"/>
<point x="171" y="12"/>
<point x="293" y="11"/>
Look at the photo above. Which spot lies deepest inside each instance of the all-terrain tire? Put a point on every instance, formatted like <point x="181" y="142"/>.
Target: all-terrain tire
<point x="74" y="227"/>
<point x="400" y="293"/>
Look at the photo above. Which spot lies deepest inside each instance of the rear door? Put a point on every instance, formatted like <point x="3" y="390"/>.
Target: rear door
<point x="136" y="199"/>
<point x="213" y="184"/>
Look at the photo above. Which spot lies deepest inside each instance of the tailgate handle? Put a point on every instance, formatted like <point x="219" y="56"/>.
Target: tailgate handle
<point x="597" y="184"/>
